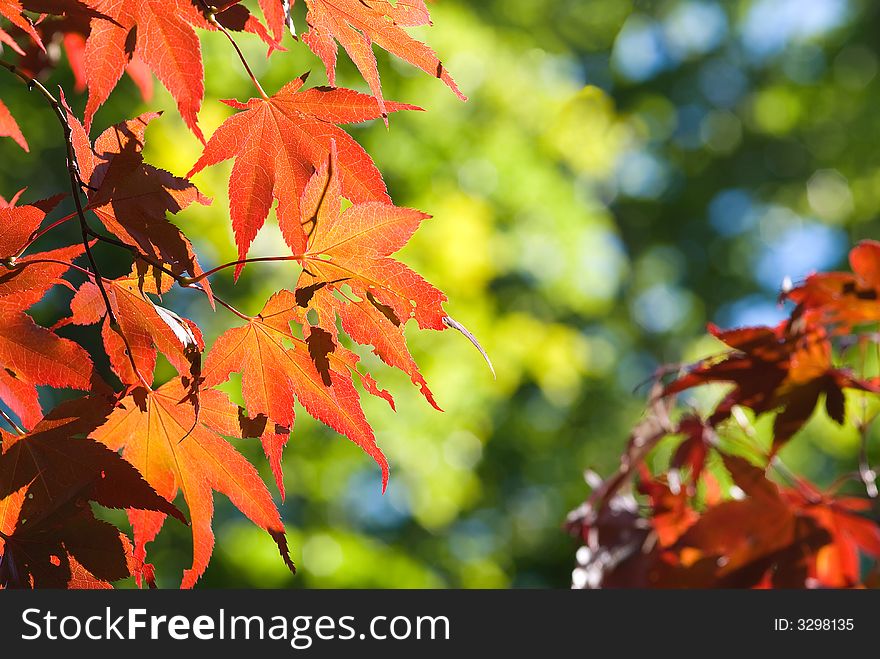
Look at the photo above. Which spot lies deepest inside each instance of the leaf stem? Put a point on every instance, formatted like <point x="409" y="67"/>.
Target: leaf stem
<point x="39" y="233"/>
<point x="224" y="303"/>
<point x="212" y="19"/>
<point x="260" y="259"/>
<point x="72" y="266"/>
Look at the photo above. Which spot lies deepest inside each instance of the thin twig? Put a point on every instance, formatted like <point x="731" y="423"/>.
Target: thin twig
<point x="223" y="303"/>
<point x="76" y="183"/>
<point x="39" y="233"/>
<point x="137" y="253"/>
<point x="212" y="19"/>
<point x="185" y="281"/>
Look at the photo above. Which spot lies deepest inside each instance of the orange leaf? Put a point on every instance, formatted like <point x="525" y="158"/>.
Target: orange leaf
<point x="277" y="144"/>
<point x="176" y="450"/>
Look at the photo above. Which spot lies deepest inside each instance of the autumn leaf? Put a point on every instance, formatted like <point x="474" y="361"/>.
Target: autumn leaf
<point x="278" y="143"/>
<point x="20" y="222"/>
<point x="32" y="356"/>
<point x="49" y="536"/>
<point x="347" y="271"/>
<point x="276" y="366"/>
<point x="33" y="275"/>
<point x="838" y="564"/>
<point x="9" y="128"/>
<point x="842" y="300"/>
<point x="177" y="451"/>
<point x="161" y="34"/>
<point x="12" y="11"/>
<point x="772" y="369"/>
<point x="358" y="24"/>
<point x="68" y="24"/>
<point x="145" y="328"/>
<point x="131" y="198"/>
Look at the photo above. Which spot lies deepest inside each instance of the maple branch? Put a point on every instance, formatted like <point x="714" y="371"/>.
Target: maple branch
<point x="76" y="182"/>
<point x="137" y="253"/>
<point x="212" y="19"/>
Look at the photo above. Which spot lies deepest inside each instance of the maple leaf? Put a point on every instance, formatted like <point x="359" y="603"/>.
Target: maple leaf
<point x="176" y="450"/>
<point x="49" y="536"/>
<point x="12" y="11"/>
<point x="9" y="128"/>
<point x="837" y="564"/>
<point x="161" y="34"/>
<point x="28" y="278"/>
<point x="842" y="300"/>
<point x="131" y="198"/>
<point x="20" y="222"/>
<point x="774" y="369"/>
<point x="315" y="370"/>
<point x="144" y="328"/>
<point x="70" y="27"/>
<point x="278" y="143"/>
<point x="358" y="24"/>
<point x="743" y="543"/>
<point x="351" y="249"/>
<point x="32" y="356"/>
<point x="28" y="281"/>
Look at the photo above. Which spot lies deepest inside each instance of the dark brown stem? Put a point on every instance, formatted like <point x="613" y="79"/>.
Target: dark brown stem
<point x="76" y="183"/>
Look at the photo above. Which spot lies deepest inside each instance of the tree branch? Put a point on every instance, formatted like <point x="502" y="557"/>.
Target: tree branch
<point x="76" y="183"/>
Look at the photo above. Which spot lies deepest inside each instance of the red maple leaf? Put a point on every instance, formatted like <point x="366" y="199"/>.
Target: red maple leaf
<point x="49" y="536"/>
<point x="32" y="356"/>
<point x="161" y="34"/>
<point x="316" y="370"/>
<point x="772" y="368"/>
<point x="358" y="24"/>
<point x="9" y="127"/>
<point x="12" y="11"/>
<point x="842" y="300"/>
<point x="837" y="564"/>
<point x="131" y="198"/>
<point x="177" y="449"/>
<point x="279" y="142"/>
<point x="145" y="328"/>
<point x="351" y="250"/>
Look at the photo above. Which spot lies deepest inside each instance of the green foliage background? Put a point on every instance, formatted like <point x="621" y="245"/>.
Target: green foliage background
<point x="624" y="172"/>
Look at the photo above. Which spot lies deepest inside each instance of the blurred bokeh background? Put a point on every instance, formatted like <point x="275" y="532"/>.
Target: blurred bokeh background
<point x="625" y="172"/>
